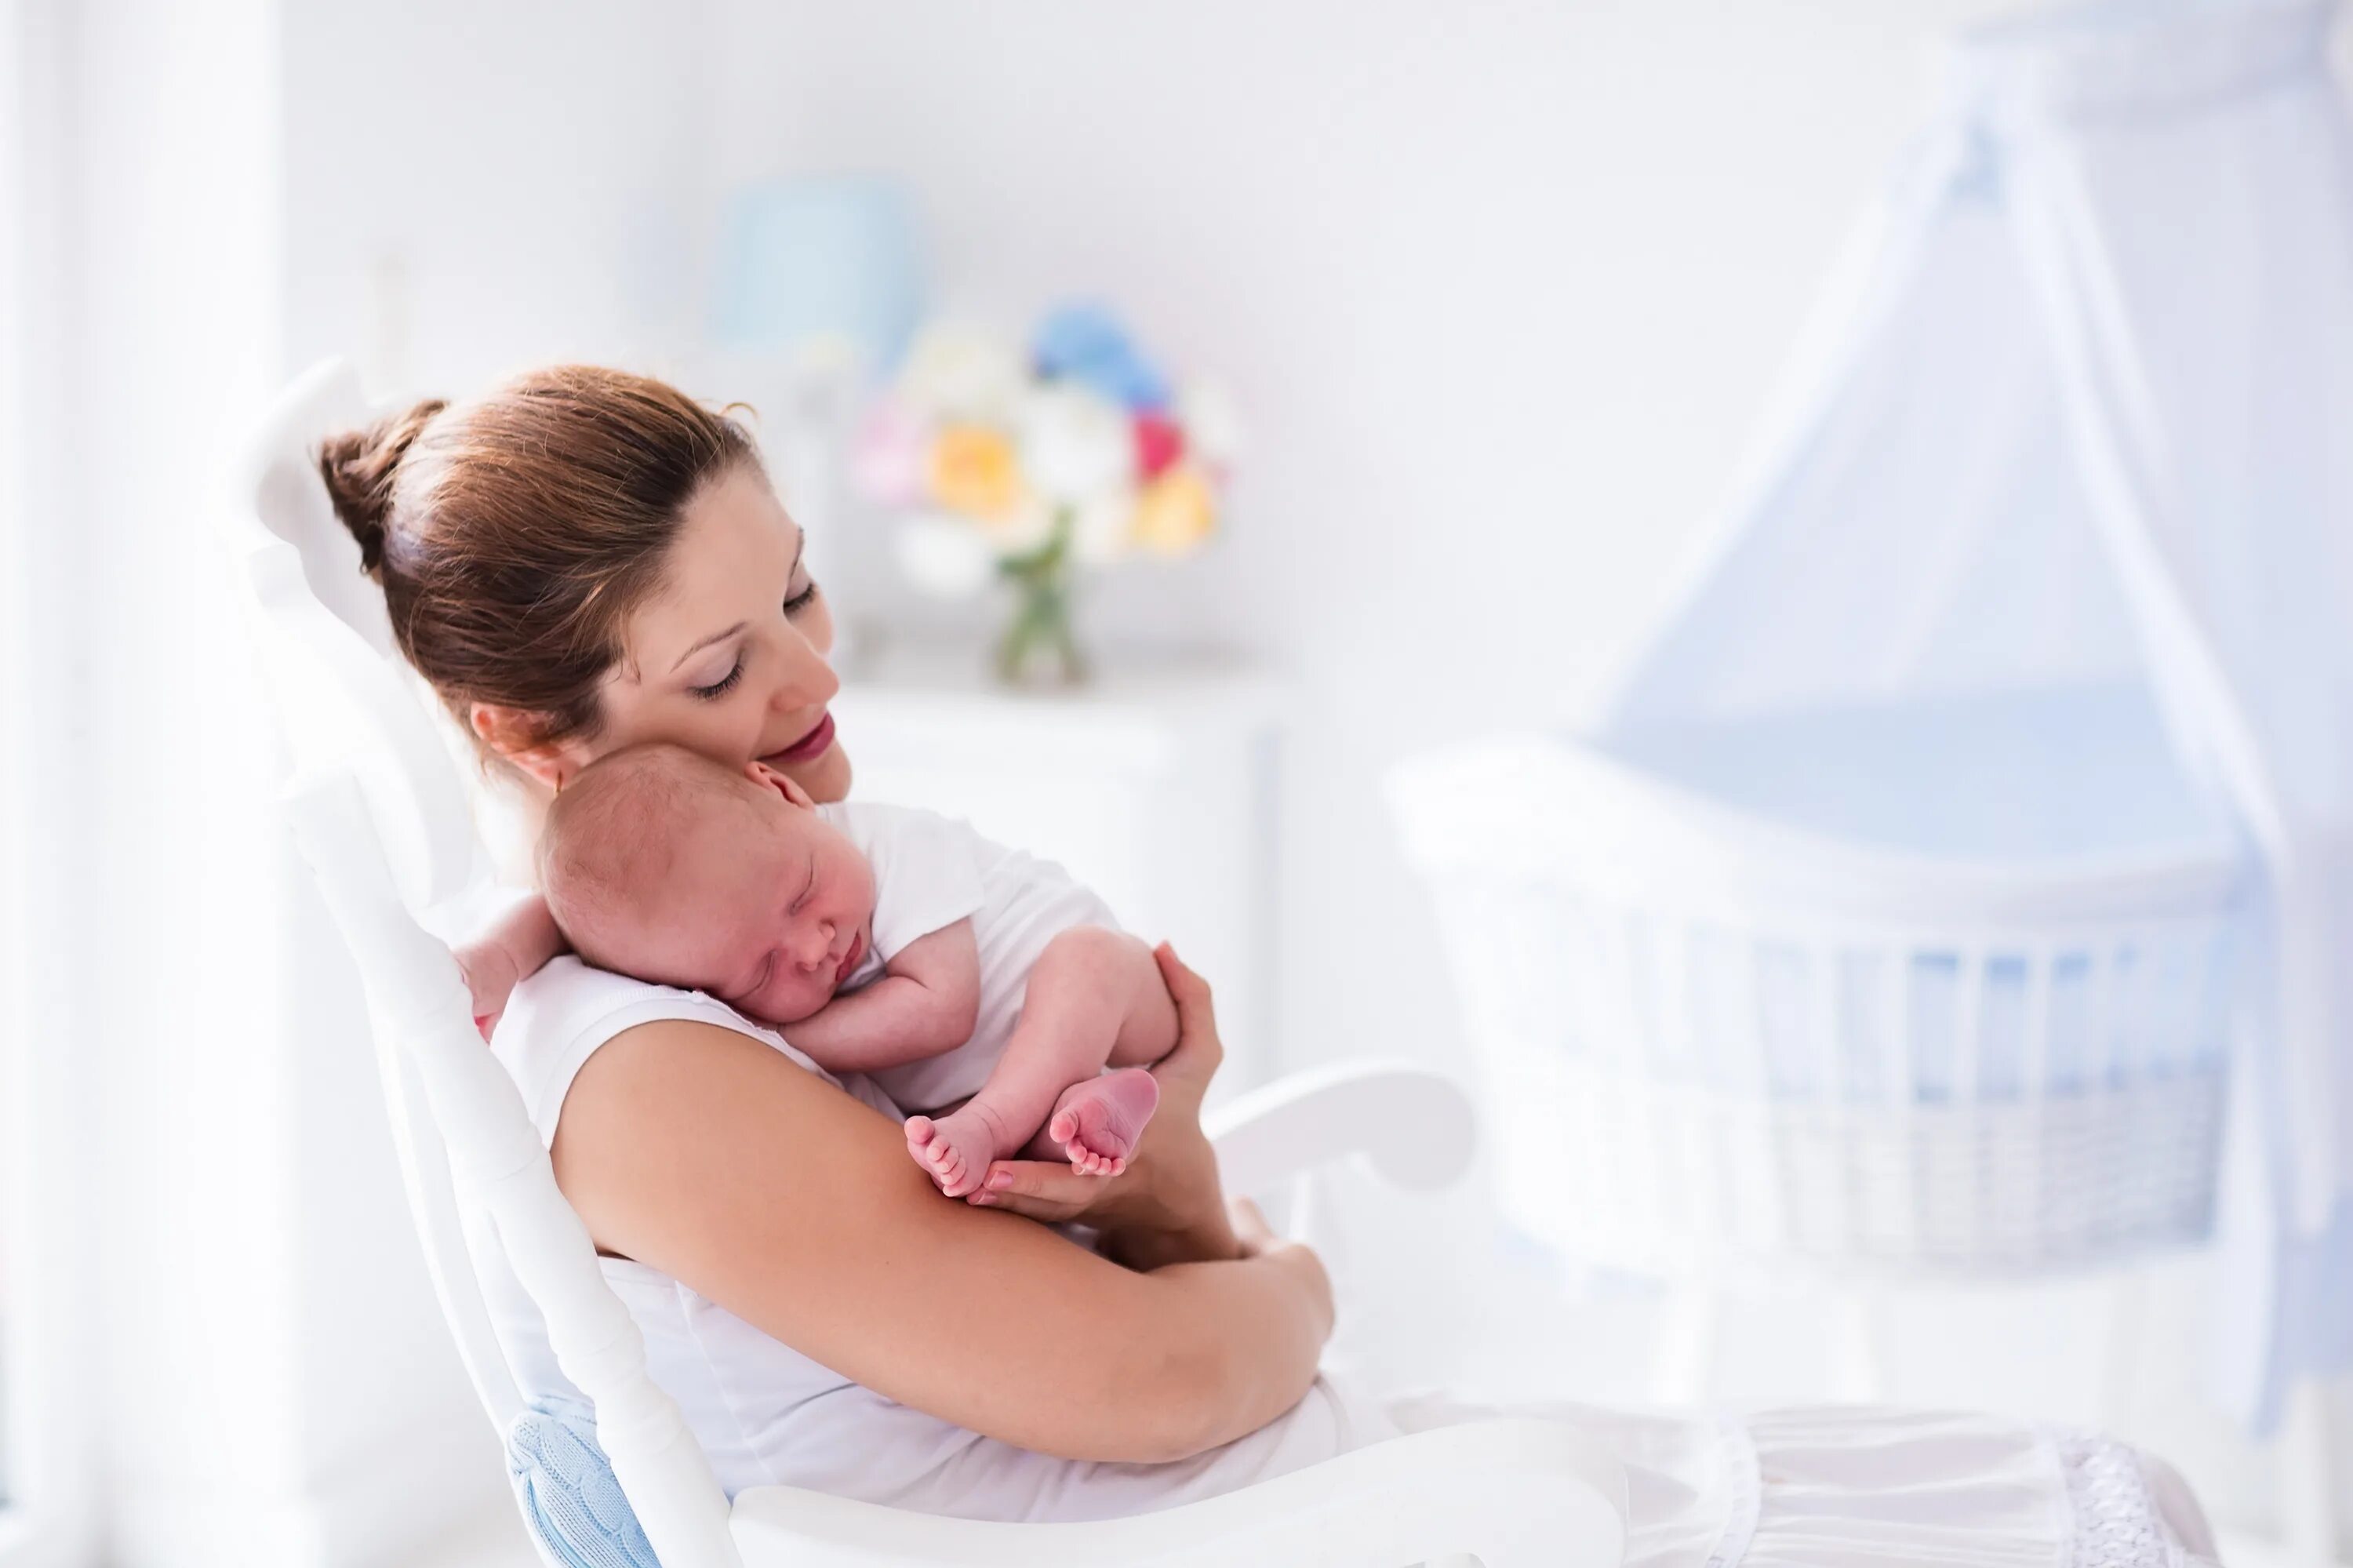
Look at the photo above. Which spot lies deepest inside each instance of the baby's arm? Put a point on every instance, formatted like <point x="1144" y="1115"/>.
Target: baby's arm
<point x="924" y="1005"/>
<point x="1094" y="997"/>
<point x="517" y="945"/>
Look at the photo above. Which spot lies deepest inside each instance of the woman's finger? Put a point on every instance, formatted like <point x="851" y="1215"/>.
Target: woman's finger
<point x="1188" y="990"/>
<point x="1199" y="1052"/>
<point x="1039" y="1189"/>
<point x="1248" y="1221"/>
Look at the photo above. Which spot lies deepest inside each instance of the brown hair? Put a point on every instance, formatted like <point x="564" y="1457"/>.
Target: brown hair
<point x="514" y="536"/>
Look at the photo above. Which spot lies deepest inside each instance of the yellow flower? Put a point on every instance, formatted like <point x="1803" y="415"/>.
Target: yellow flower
<point x="975" y="470"/>
<point x="1175" y="512"/>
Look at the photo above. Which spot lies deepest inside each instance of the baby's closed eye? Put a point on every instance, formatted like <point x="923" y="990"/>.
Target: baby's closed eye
<point x="737" y="996"/>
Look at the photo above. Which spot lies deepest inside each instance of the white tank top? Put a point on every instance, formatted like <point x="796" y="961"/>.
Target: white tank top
<point x="767" y="1414"/>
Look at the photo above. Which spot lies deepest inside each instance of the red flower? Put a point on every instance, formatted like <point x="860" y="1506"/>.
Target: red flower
<point x="1159" y="442"/>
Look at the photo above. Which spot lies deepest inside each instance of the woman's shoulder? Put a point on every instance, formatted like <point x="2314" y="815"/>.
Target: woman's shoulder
<point x="556" y="1019"/>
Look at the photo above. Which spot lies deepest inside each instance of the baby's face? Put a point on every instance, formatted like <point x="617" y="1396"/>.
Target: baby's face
<point x="768" y="916"/>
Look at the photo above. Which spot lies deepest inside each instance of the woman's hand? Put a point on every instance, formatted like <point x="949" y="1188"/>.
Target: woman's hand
<point x="1168" y="1207"/>
<point x="1261" y="1240"/>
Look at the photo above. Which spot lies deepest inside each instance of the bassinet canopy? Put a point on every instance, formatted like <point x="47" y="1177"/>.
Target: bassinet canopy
<point x="2077" y="415"/>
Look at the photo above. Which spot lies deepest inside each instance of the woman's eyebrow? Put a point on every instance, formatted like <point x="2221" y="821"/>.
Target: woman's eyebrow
<point x="715" y="637"/>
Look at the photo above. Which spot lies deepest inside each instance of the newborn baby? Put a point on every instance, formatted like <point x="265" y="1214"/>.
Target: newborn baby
<point x="976" y="985"/>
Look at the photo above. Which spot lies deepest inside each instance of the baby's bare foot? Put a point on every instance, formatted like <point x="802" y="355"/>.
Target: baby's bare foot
<point x="1097" y="1122"/>
<point x="954" y="1151"/>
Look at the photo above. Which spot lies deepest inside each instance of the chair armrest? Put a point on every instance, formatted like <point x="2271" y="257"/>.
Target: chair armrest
<point x="1518" y="1493"/>
<point x="1414" y="1124"/>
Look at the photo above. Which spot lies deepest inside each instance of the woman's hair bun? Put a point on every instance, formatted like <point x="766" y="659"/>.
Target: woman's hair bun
<point x="360" y="466"/>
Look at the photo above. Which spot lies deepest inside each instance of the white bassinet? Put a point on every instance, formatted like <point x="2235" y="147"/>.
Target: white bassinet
<point x="1943" y="985"/>
<point x="1892" y="915"/>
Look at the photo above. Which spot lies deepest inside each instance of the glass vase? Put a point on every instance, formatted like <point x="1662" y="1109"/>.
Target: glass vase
<point x="1039" y="646"/>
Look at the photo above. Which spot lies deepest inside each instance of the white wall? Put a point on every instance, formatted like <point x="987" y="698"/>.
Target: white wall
<point x="477" y="188"/>
<point x="47" y="1294"/>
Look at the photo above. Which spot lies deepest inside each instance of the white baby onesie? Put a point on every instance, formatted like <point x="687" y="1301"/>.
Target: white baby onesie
<point x="931" y="871"/>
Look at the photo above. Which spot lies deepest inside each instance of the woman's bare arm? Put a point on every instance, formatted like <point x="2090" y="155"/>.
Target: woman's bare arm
<point x="705" y="1154"/>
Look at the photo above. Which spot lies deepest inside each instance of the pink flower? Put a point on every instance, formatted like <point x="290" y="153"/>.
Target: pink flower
<point x="889" y="457"/>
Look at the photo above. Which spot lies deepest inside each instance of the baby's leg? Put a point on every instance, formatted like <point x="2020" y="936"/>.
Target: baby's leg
<point x="1097" y="1121"/>
<point x="1094" y="996"/>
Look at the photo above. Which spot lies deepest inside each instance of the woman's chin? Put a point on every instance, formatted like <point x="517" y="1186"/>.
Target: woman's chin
<point x="825" y="777"/>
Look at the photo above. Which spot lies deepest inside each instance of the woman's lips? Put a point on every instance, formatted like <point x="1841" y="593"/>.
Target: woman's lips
<point x="811" y="744"/>
<point x="850" y="959"/>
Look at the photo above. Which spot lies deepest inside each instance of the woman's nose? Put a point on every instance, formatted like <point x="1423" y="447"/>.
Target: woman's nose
<point x="806" y="680"/>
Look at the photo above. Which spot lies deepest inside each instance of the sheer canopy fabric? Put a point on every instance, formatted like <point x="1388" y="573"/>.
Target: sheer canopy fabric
<point x="2078" y="406"/>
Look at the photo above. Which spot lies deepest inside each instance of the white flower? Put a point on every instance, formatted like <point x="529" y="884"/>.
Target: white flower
<point x="960" y="373"/>
<point x="943" y="556"/>
<point x="1101" y="527"/>
<point x="1213" y="427"/>
<point x="1075" y="443"/>
<point x="1024" y="528"/>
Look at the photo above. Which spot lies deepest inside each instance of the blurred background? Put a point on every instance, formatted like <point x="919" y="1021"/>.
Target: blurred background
<point x="1465" y="314"/>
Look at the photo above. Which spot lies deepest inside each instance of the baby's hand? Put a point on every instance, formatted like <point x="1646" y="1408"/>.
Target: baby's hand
<point x="491" y="978"/>
<point x="516" y="946"/>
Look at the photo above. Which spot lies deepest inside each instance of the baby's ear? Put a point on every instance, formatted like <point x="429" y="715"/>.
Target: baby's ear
<point x="768" y="778"/>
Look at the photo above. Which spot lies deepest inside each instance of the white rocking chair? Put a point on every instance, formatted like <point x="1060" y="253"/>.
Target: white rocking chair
<point x="380" y="812"/>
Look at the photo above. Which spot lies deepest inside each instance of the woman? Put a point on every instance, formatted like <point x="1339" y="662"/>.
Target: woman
<point x="584" y="560"/>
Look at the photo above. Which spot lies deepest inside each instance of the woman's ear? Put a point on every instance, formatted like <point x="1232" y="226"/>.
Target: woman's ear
<point x="768" y="778"/>
<point x="514" y="735"/>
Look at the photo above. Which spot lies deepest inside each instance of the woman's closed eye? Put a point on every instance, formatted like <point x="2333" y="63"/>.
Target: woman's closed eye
<point x="722" y="687"/>
<point x="711" y="692"/>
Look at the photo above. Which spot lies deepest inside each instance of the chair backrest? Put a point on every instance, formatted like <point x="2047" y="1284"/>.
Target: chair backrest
<point x="326" y="648"/>
<point x="323" y="644"/>
<point x="380" y="812"/>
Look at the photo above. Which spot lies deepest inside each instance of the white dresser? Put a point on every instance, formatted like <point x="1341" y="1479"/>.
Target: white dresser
<point x="1155" y="784"/>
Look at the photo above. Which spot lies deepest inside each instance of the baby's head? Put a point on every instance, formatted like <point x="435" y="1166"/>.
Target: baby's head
<point x="661" y="863"/>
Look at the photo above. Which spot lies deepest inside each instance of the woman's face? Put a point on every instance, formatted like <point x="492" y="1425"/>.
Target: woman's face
<point x="728" y="658"/>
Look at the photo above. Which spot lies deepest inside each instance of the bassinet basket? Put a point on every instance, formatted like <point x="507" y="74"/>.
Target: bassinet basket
<point x="1944" y="987"/>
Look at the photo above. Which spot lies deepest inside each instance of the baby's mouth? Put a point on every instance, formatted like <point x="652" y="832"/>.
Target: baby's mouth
<point x="850" y="959"/>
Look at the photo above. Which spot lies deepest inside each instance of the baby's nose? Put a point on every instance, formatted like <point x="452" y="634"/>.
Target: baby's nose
<point x="816" y="945"/>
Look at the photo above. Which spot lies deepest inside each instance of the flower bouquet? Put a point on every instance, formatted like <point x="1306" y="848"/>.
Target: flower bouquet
<point x="1027" y="468"/>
